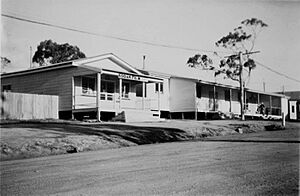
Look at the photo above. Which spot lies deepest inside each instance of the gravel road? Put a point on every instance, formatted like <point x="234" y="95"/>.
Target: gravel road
<point x="180" y="168"/>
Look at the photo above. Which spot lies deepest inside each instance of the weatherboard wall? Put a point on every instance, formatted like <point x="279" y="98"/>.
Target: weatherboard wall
<point x="182" y="95"/>
<point x="164" y="96"/>
<point x="51" y="82"/>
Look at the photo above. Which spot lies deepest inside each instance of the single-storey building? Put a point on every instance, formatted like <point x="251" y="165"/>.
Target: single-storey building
<point x="184" y="97"/>
<point x="106" y="87"/>
<point x="101" y="86"/>
<point x="294" y="104"/>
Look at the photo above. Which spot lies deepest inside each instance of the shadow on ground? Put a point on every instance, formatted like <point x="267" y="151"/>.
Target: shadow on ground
<point x="137" y="135"/>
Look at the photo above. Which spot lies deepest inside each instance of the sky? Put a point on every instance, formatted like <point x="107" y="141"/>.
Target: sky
<point x="184" y="23"/>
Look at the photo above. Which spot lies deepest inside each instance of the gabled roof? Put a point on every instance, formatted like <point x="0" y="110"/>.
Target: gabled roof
<point x="78" y="62"/>
<point x="115" y="59"/>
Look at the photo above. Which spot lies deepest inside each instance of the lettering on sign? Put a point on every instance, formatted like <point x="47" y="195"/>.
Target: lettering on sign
<point x="132" y="77"/>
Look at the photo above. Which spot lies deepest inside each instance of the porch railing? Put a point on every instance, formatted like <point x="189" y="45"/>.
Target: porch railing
<point x="111" y="102"/>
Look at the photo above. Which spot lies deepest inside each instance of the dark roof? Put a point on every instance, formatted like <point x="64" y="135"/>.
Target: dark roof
<point x="292" y="94"/>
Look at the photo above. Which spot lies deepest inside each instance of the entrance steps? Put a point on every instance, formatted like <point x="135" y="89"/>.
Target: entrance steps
<point x="136" y="116"/>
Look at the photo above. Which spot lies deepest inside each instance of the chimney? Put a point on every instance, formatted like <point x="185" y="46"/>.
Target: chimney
<point x="144" y="58"/>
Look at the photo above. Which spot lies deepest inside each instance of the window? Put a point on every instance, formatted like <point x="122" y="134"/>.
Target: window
<point x="252" y="98"/>
<point x="125" y="89"/>
<point x="211" y="95"/>
<point x="6" y="88"/>
<point x="227" y="95"/>
<point x="88" y="85"/>
<point x="161" y="87"/>
<point x="107" y="86"/>
<point x="293" y="109"/>
<point x="198" y="90"/>
<point x="139" y="90"/>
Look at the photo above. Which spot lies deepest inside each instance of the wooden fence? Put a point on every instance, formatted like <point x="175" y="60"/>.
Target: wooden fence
<point x="28" y="106"/>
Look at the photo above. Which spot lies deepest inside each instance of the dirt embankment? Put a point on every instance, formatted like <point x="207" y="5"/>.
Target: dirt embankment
<point x="42" y="138"/>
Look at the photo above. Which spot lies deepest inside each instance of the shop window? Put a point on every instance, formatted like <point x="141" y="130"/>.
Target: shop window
<point x="161" y="87"/>
<point x="88" y="85"/>
<point x="6" y="88"/>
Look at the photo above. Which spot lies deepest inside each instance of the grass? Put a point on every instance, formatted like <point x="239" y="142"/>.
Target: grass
<point x="27" y="139"/>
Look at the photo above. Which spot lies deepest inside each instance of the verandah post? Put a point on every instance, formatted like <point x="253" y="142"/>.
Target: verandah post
<point x="230" y="100"/>
<point x="73" y="97"/>
<point x="196" y="106"/>
<point x="120" y="93"/>
<point x="214" y="97"/>
<point x="158" y="94"/>
<point x="98" y="97"/>
<point x="143" y="94"/>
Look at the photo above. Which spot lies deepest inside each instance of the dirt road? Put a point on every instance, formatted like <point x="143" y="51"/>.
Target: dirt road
<point x="180" y="168"/>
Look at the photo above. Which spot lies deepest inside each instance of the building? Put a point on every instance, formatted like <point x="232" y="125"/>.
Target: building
<point x="294" y="104"/>
<point x="97" y="87"/>
<point x="190" y="98"/>
<point x="106" y="87"/>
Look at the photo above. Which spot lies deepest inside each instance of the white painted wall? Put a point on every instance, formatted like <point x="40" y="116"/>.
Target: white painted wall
<point x="203" y="104"/>
<point x="235" y="104"/>
<point x="222" y="105"/>
<point x="182" y="95"/>
<point x="164" y="96"/>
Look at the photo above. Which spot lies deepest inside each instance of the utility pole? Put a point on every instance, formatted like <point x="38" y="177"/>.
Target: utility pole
<point x="241" y="87"/>
<point x="242" y="83"/>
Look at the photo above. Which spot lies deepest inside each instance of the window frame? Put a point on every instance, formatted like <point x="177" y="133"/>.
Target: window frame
<point x="161" y="87"/>
<point x="89" y="91"/>
<point x="106" y="84"/>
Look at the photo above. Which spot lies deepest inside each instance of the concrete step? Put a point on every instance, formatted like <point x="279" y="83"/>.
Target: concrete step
<point x="136" y="116"/>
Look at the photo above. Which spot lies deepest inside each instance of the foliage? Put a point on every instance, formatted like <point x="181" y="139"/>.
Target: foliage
<point x="4" y="62"/>
<point x="241" y="43"/>
<point x="243" y="37"/>
<point x="202" y="61"/>
<point x="49" y="52"/>
<point x="241" y="40"/>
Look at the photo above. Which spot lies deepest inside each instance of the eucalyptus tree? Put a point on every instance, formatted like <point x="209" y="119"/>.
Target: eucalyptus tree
<point x="240" y="43"/>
